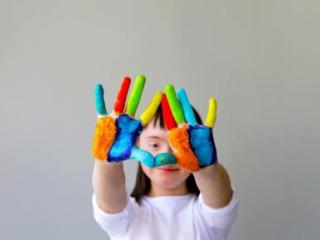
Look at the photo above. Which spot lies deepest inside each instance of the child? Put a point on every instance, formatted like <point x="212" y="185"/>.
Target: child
<point x="168" y="201"/>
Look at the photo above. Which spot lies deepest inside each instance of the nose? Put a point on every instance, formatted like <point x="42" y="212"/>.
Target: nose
<point x="168" y="149"/>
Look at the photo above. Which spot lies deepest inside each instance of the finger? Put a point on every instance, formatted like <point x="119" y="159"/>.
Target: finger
<point x="167" y="114"/>
<point x="174" y="104"/>
<point x="143" y="156"/>
<point x="164" y="159"/>
<point x="212" y="113"/>
<point x="120" y="100"/>
<point x="100" y="104"/>
<point x="186" y="106"/>
<point x="148" y="114"/>
<point x="135" y="95"/>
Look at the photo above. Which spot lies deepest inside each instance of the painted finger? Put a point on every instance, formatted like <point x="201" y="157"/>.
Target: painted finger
<point x="148" y="114"/>
<point x="167" y="114"/>
<point x="120" y="100"/>
<point x="143" y="156"/>
<point x="212" y="113"/>
<point x="186" y="106"/>
<point x="135" y="95"/>
<point x="202" y="142"/>
<point x="174" y="104"/>
<point x="100" y="104"/>
<point x="146" y="158"/>
<point x="165" y="159"/>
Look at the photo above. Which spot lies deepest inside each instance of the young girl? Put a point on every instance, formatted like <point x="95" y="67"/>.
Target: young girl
<point x="168" y="201"/>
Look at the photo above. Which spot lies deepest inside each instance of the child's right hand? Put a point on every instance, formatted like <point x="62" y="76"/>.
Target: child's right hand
<point x="116" y="133"/>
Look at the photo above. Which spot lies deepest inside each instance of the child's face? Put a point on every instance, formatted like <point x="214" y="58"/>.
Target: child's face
<point x="154" y="139"/>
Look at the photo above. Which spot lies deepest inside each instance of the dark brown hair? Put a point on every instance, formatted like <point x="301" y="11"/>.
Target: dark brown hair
<point x="143" y="184"/>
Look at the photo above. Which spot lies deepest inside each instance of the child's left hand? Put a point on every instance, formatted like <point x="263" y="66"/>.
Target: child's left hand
<point x="193" y="144"/>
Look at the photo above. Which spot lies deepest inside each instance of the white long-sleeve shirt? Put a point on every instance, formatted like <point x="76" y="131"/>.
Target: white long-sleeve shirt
<point x="168" y="217"/>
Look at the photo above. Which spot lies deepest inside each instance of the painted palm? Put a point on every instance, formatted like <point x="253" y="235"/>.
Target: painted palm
<point x="116" y="133"/>
<point x="193" y="144"/>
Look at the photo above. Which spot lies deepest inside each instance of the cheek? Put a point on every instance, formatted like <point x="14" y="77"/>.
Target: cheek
<point x="184" y="175"/>
<point x="143" y="145"/>
<point x="153" y="152"/>
<point x="146" y="170"/>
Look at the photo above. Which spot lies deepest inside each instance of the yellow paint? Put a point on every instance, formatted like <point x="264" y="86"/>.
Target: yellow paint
<point x="212" y="113"/>
<point x="148" y="114"/>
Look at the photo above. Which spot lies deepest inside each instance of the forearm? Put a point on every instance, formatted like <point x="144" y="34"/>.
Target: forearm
<point x="214" y="184"/>
<point x="108" y="181"/>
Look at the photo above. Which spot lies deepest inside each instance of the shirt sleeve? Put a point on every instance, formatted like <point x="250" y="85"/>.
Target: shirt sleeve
<point x="115" y="224"/>
<point x="219" y="219"/>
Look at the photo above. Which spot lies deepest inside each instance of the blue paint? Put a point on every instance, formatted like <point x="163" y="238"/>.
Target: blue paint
<point x="100" y="104"/>
<point x="164" y="159"/>
<point x="148" y="160"/>
<point x="143" y="156"/>
<point x="186" y="106"/>
<point x="128" y="130"/>
<point x="203" y="145"/>
<point x="123" y="148"/>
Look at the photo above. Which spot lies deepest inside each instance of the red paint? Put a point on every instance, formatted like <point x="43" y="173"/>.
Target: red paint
<point x="120" y="100"/>
<point x="167" y="114"/>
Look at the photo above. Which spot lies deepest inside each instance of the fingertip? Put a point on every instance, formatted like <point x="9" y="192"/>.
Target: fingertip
<point x="141" y="78"/>
<point x="126" y="78"/>
<point x="181" y="91"/>
<point x="213" y="103"/>
<point x="157" y="97"/>
<point x="169" y="88"/>
<point x="99" y="89"/>
<point x="213" y="99"/>
<point x="126" y="81"/>
<point x="182" y="96"/>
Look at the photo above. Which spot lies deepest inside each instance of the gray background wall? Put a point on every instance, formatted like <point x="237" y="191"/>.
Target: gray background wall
<point x="259" y="58"/>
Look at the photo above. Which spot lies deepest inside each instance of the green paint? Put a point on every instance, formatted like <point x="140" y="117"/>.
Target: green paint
<point x="174" y="104"/>
<point x="135" y="95"/>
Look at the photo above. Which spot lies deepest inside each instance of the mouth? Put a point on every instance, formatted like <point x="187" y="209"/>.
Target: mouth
<point x="168" y="169"/>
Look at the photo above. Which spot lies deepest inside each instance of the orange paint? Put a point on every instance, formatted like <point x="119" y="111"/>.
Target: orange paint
<point x="104" y="135"/>
<point x="179" y="140"/>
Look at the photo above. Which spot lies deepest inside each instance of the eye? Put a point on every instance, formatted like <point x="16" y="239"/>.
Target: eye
<point x="154" y="145"/>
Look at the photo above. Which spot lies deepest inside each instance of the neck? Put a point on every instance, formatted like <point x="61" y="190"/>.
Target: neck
<point x="158" y="191"/>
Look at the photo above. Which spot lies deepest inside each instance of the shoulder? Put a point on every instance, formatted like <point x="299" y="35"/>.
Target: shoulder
<point x="115" y="224"/>
<point x="130" y="206"/>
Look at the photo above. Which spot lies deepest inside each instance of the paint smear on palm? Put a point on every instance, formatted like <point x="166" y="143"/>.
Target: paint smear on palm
<point x="179" y="137"/>
<point x="105" y="130"/>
